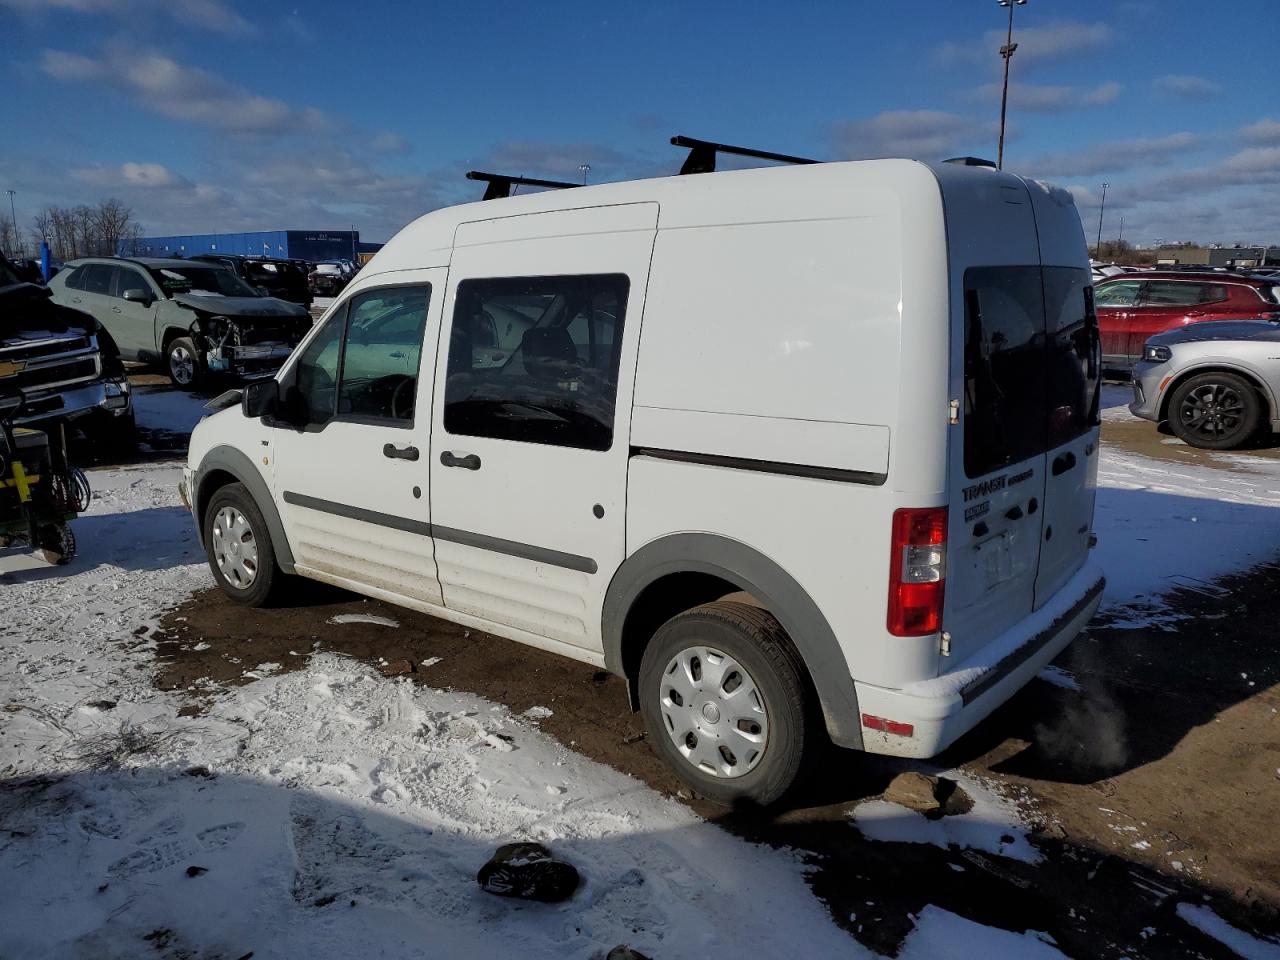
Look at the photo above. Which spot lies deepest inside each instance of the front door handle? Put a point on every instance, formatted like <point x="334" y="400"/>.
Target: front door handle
<point x="1063" y="463"/>
<point x="398" y="453"/>
<point x="116" y="310"/>
<point x="468" y="461"/>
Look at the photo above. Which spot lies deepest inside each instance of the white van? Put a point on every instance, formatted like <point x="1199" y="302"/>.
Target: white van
<point x="796" y="450"/>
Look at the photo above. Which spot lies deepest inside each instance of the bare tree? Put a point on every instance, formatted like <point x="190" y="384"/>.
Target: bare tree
<point x="85" y="231"/>
<point x="112" y="220"/>
<point x="10" y="242"/>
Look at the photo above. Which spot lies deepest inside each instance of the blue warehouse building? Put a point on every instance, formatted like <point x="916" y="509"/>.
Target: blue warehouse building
<point x="295" y="244"/>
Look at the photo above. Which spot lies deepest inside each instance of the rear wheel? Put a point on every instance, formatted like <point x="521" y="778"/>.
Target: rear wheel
<point x="1216" y="411"/>
<point x="726" y="703"/>
<point x="239" y="547"/>
<point x="185" y="369"/>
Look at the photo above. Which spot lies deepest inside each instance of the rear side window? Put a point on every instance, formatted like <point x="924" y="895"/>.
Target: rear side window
<point x="75" y="280"/>
<point x="1031" y="363"/>
<point x="98" y="278"/>
<point x="536" y="359"/>
<point x="1213" y="293"/>
<point x="1171" y="293"/>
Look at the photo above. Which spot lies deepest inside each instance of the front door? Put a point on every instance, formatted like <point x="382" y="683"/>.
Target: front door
<point x="1116" y="300"/>
<point x="136" y="322"/>
<point x="351" y="471"/>
<point x="529" y="441"/>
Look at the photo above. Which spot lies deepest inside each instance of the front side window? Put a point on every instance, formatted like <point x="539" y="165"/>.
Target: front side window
<point x="382" y="354"/>
<point x="536" y="359"/>
<point x="1120" y="293"/>
<point x="127" y="279"/>
<point x="311" y="398"/>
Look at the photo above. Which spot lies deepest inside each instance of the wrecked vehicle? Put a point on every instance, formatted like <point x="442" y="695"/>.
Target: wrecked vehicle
<point x="195" y="318"/>
<point x="62" y="362"/>
<point x="274" y="277"/>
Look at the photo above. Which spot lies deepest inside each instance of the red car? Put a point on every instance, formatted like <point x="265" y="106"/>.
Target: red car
<point x="1133" y="307"/>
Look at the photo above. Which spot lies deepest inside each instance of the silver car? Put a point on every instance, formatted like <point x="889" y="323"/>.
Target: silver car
<point x="1216" y="383"/>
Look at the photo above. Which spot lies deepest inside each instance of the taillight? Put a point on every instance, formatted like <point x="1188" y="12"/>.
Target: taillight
<point x="917" y="571"/>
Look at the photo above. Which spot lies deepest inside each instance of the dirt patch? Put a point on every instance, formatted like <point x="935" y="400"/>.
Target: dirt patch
<point x="1154" y="782"/>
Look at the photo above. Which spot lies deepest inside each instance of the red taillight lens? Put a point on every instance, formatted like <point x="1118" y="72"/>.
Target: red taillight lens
<point x="917" y="571"/>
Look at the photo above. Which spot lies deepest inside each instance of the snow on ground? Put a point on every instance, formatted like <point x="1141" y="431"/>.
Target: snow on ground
<point x="1163" y="526"/>
<point x="1116" y="398"/>
<point x="364" y="618"/>
<point x="992" y="825"/>
<point x="940" y="935"/>
<point x="1240" y="943"/>
<point x="327" y="813"/>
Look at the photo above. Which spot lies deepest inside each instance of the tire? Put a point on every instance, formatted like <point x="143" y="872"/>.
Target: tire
<point x="781" y="708"/>
<point x="1215" y="411"/>
<point x="115" y="435"/>
<point x="183" y="364"/>
<point x="232" y="522"/>
<point x="57" y="544"/>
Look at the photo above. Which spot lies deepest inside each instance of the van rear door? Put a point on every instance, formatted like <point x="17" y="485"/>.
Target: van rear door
<point x="997" y="461"/>
<point x="1072" y="381"/>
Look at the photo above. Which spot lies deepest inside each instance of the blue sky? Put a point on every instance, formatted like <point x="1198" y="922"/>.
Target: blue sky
<point x="210" y="115"/>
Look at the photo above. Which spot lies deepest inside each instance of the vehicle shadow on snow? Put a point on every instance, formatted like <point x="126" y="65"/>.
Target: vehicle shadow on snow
<point x="143" y="541"/>
<point x="194" y="864"/>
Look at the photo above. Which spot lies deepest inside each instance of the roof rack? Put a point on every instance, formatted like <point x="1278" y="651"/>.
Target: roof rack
<point x="500" y="184"/>
<point x="702" y="154"/>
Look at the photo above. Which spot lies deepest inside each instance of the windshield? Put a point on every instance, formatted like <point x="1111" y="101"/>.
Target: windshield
<point x="201" y="282"/>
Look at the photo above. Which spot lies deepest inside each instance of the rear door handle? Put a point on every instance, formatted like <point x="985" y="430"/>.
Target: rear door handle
<point x="1063" y="463"/>
<point x="468" y="461"/>
<point x="115" y="310"/>
<point x="398" y="453"/>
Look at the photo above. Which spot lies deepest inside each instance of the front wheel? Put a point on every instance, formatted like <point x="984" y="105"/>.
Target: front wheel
<point x="185" y="369"/>
<point x="726" y="703"/>
<point x="238" y="544"/>
<point x="1215" y="411"/>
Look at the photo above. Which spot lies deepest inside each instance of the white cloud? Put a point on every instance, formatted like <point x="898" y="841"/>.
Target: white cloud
<point x="132" y="174"/>
<point x="1114" y="156"/>
<point x="388" y="142"/>
<point x="1264" y="131"/>
<point x="1040" y="98"/>
<point x="206" y="14"/>
<point x="1042" y="44"/>
<point x="923" y="134"/>
<point x="1185" y="86"/>
<point x="185" y="93"/>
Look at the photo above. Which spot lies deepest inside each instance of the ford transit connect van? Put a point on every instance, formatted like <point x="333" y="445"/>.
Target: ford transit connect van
<point x="798" y="452"/>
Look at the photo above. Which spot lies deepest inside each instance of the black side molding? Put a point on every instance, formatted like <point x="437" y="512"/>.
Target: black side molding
<point x="765" y="466"/>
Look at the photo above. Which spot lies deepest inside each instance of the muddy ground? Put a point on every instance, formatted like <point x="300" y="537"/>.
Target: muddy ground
<point x="1156" y="781"/>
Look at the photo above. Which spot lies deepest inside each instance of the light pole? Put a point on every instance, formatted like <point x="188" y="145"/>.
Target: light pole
<point x="17" y="234"/>
<point x="1097" y="250"/>
<point x="584" y="169"/>
<point x="1120" y="239"/>
<point x="1007" y="52"/>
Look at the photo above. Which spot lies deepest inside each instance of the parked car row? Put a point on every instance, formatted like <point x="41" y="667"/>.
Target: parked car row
<point x="196" y="317"/>
<point x="329" y="277"/>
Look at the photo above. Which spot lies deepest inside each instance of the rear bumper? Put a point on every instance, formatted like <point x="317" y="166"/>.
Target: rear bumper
<point x="942" y="710"/>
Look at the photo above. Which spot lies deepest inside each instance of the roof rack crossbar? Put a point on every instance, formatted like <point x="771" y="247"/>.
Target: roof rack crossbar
<point x="500" y="184"/>
<point x="702" y="154"/>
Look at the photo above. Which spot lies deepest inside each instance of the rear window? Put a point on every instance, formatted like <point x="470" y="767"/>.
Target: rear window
<point x="1031" y="363"/>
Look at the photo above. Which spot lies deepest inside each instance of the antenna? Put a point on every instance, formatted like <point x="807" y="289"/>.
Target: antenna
<point x="500" y="184"/>
<point x="702" y="154"/>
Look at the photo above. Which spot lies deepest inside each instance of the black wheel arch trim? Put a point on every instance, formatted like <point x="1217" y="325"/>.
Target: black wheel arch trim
<point x="1271" y="408"/>
<point x="751" y="571"/>
<point x="232" y="461"/>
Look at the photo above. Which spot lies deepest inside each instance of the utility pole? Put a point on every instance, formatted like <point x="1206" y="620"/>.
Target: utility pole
<point x="1007" y="52"/>
<point x="17" y="234"/>
<point x="1120" y="239"/>
<point x="1097" y="250"/>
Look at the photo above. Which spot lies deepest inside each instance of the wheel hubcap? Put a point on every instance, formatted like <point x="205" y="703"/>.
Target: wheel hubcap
<point x="182" y="364"/>
<point x="713" y="712"/>
<point x="235" y="549"/>
<point x="1212" y="411"/>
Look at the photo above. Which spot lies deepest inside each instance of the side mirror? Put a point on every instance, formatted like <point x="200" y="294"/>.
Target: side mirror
<point x="261" y="398"/>
<point x="138" y="295"/>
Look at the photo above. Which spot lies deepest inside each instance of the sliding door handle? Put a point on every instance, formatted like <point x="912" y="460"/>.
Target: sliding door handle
<point x="468" y="461"/>
<point x="399" y="453"/>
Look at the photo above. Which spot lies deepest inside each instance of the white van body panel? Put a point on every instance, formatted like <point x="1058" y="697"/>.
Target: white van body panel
<point x="792" y="348"/>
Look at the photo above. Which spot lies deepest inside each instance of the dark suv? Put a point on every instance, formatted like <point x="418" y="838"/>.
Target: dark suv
<point x="282" y="279"/>
<point x="1132" y="308"/>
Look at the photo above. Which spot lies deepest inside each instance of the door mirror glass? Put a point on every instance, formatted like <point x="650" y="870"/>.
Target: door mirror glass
<point x="136" y="295"/>
<point x="260" y="398"/>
